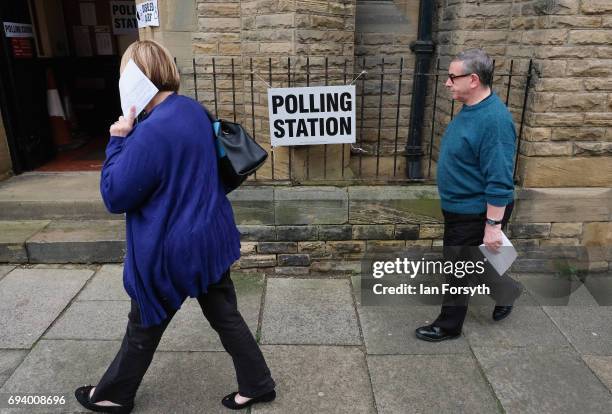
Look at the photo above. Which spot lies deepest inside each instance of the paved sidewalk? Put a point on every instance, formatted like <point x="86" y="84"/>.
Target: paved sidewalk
<point x="61" y="325"/>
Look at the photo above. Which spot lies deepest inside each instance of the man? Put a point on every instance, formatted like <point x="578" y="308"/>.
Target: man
<point x="476" y="187"/>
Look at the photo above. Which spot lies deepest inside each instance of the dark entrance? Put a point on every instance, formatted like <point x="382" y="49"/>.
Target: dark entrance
<point x="74" y="52"/>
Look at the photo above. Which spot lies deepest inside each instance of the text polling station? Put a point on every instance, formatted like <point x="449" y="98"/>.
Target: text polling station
<point x="312" y="115"/>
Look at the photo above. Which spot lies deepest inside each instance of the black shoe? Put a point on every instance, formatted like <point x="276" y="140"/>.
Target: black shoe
<point x="82" y="396"/>
<point x="231" y="403"/>
<point x="433" y="333"/>
<point x="501" y="312"/>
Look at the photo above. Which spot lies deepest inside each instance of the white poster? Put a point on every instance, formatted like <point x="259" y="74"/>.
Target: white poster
<point x="104" y="42"/>
<point x="18" y="30"/>
<point x="88" y="14"/>
<point x="82" y="43"/>
<point x="123" y="17"/>
<point x="313" y="115"/>
<point x="147" y="14"/>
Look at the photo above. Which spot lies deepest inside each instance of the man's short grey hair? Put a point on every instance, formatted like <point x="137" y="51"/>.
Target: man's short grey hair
<point x="479" y="62"/>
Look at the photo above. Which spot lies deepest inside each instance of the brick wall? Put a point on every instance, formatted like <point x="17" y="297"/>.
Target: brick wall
<point x="567" y="140"/>
<point x="330" y="230"/>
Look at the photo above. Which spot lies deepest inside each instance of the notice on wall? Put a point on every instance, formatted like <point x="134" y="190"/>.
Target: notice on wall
<point x="82" y="42"/>
<point x="88" y="13"/>
<point x="104" y="42"/>
<point x="22" y="48"/>
<point x="312" y="115"/>
<point x="18" y="30"/>
<point x="147" y="14"/>
<point x="123" y="17"/>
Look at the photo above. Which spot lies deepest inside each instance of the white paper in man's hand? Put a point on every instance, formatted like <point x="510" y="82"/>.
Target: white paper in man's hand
<point x="135" y="89"/>
<point x="503" y="258"/>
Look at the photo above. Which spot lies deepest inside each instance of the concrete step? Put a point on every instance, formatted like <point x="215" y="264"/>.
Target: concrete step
<point x="62" y="241"/>
<point x="49" y="196"/>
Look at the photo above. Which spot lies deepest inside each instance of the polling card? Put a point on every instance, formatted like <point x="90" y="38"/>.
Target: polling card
<point x="135" y="89"/>
<point x="503" y="258"/>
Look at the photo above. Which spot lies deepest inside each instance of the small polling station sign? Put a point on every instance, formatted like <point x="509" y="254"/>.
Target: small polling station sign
<point x="312" y="115"/>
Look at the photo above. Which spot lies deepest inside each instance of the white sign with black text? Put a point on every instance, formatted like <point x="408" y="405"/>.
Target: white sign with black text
<point x="123" y="17"/>
<point x="147" y="14"/>
<point x="18" y="30"/>
<point x="312" y="115"/>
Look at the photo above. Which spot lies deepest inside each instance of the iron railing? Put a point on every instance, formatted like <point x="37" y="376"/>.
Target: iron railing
<point x="239" y="93"/>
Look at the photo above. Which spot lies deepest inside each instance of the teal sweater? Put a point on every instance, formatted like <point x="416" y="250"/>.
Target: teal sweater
<point x="476" y="159"/>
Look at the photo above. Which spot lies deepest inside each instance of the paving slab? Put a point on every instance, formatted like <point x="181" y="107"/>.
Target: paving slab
<point x="543" y="380"/>
<point x="9" y="361"/>
<point x="57" y="368"/>
<point x="31" y="299"/>
<point x="430" y="384"/>
<point x="13" y="236"/>
<point x="189" y="329"/>
<point x="5" y="269"/>
<point x="317" y="379"/>
<point x="550" y="290"/>
<point x="602" y="367"/>
<point x="309" y="311"/>
<point x="71" y="241"/>
<point x="589" y="329"/>
<point x="390" y="330"/>
<point x="186" y="382"/>
<point x="527" y="325"/>
<point x="107" y="284"/>
<point x="94" y="320"/>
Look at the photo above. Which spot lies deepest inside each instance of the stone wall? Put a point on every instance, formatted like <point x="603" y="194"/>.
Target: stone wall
<point x="567" y="137"/>
<point x="5" y="157"/>
<point x="329" y="230"/>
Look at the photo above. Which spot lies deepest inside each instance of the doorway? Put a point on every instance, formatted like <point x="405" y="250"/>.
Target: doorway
<point x="60" y="97"/>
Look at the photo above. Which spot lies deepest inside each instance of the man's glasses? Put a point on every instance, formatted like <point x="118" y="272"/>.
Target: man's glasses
<point x="453" y="77"/>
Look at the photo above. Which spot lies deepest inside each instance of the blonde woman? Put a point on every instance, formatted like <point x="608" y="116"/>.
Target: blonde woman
<point x="181" y="237"/>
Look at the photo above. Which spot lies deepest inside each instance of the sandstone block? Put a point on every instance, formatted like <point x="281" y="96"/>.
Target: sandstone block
<point x="342" y="232"/>
<point x="276" y="247"/>
<point x="431" y="231"/>
<point x="521" y="230"/>
<point x="593" y="148"/>
<point x="565" y="230"/>
<point x="596" y="6"/>
<point x="373" y="232"/>
<point x="293" y="260"/>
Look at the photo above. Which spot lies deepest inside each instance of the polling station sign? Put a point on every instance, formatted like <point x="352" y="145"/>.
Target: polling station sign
<point x="123" y="17"/>
<point x="312" y="115"/>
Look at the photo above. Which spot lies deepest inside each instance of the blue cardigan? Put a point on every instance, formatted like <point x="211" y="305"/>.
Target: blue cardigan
<point x="476" y="159"/>
<point x="181" y="234"/>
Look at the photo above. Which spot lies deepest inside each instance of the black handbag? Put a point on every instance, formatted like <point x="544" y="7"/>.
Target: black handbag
<point x="238" y="154"/>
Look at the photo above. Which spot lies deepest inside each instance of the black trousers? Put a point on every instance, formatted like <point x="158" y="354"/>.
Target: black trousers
<point x="463" y="233"/>
<point x="123" y="377"/>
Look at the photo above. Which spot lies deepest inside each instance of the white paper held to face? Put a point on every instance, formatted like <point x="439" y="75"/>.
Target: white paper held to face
<point x="135" y="89"/>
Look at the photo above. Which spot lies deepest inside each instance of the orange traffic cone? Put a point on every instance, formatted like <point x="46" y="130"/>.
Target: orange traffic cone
<point x="57" y="118"/>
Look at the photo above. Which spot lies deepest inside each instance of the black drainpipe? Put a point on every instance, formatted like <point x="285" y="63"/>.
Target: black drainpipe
<point x="423" y="49"/>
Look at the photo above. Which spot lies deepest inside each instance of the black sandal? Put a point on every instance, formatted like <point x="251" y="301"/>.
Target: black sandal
<point x="82" y="396"/>
<point x="231" y="403"/>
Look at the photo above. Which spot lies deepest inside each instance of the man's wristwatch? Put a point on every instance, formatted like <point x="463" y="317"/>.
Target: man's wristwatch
<point x="492" y="222"/>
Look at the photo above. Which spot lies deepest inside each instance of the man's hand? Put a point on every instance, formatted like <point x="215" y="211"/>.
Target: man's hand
<point x="124" y="125"/>
<point x="493" y="237"/>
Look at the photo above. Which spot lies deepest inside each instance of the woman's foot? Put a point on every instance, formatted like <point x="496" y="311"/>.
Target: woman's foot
<point x="235" y="401"/>
<point x="84" y="394"/>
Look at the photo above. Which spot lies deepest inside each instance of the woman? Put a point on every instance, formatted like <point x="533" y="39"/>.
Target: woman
<point x="181" y="237"/>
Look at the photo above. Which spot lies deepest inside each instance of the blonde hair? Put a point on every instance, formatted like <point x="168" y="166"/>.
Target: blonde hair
<point x="156" y="62"/>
